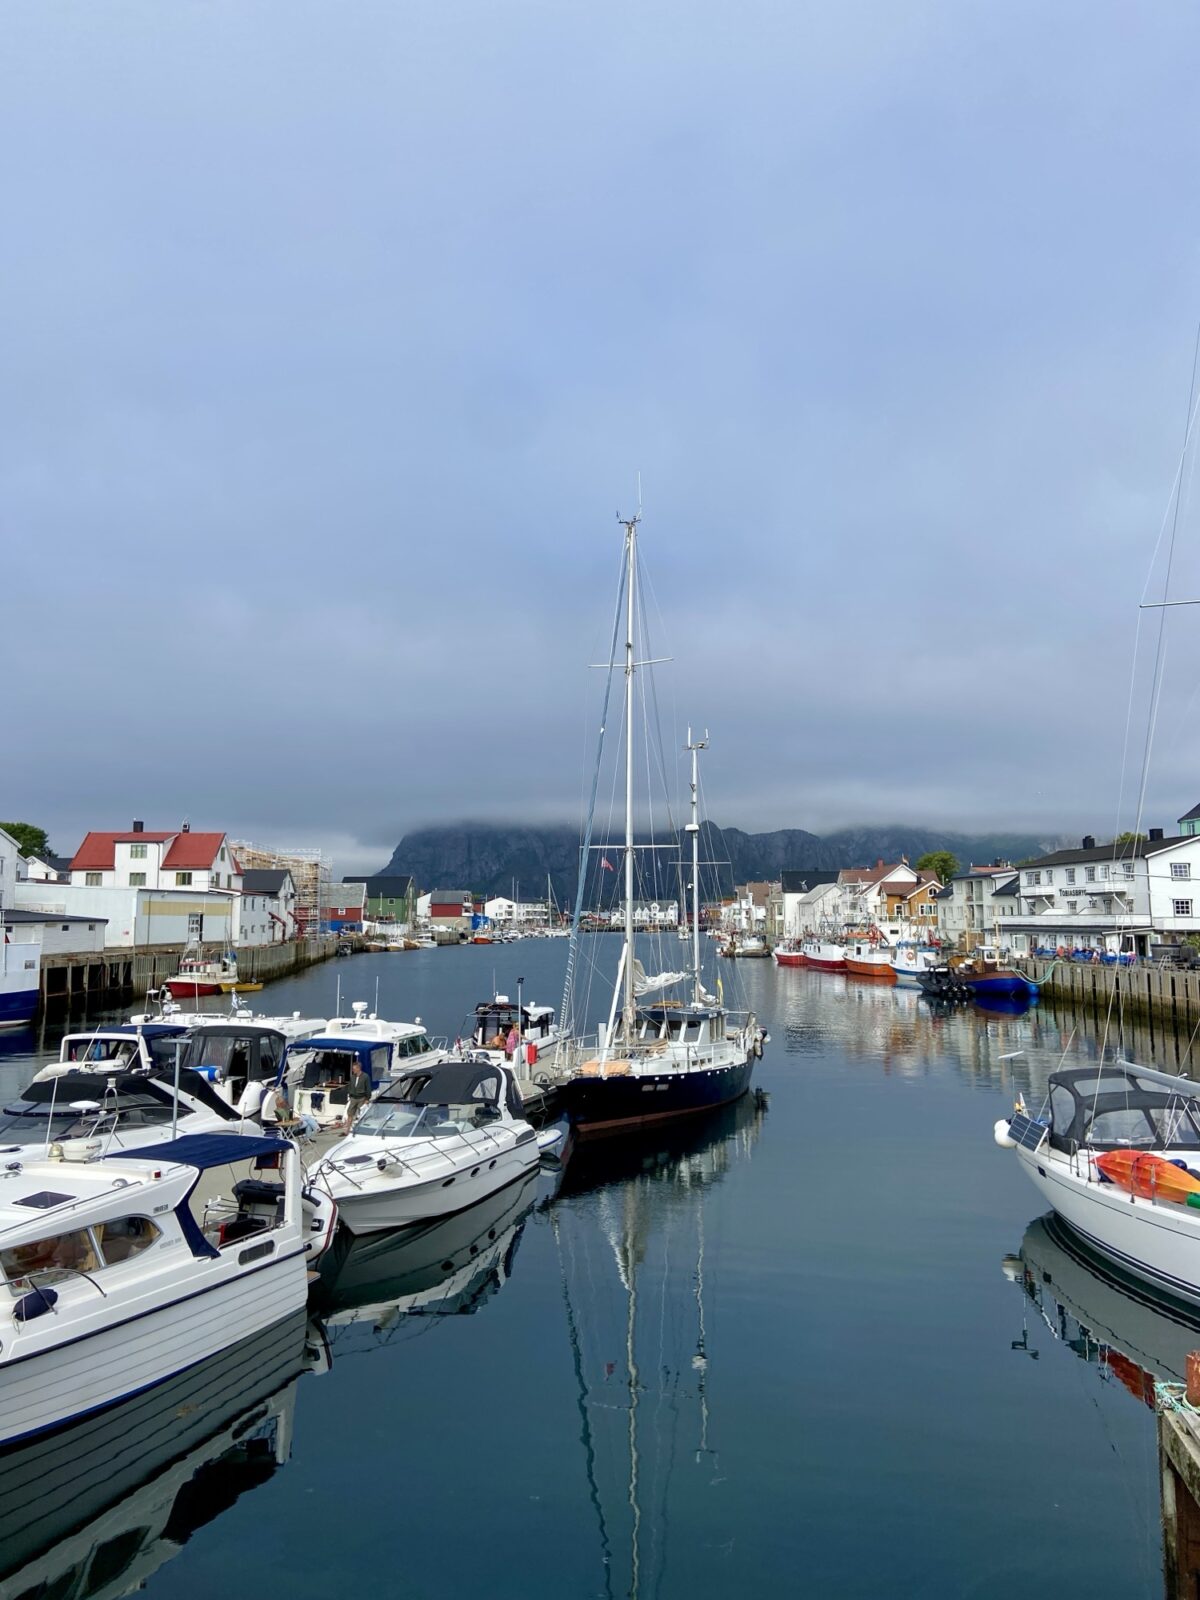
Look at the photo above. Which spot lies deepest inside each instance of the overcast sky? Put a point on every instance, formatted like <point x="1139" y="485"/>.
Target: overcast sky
<point x="335" y="334"/>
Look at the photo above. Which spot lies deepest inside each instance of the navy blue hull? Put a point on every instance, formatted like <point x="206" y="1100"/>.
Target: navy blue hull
<point x="18" y="1009"/>
<point x="1010" y="983"/>
<point x="601" y="1106"/>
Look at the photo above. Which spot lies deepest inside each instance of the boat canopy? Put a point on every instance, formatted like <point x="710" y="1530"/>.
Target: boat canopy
<point x="457" y="1083"/>
<point x="1122" y="1108"/>
<point x="204" y="1150"/>
<point x="317" y="1058"/>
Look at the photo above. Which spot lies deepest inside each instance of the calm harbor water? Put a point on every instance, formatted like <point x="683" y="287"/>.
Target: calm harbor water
<point x="774" y="1353"/>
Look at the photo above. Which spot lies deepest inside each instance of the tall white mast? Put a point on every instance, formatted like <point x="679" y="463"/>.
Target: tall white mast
<point x="693" y="827"/>
<point x="629" y="1014"/>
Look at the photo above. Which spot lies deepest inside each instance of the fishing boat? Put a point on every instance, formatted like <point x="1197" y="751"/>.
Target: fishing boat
<point x="120" y="1274"/>
<point x="824" y="955"/>
<point x="909" y="961"/>
<point x="20" y="981"/>
<point x="988" y="973"/>
<point x="431" y="1143"/>
<point x="1096" y="1121"/>
<point x="870" y="958"/>
<point x="789" y="954"/>
<point x="672" y="1057"/>
<point x="202" y="974"/>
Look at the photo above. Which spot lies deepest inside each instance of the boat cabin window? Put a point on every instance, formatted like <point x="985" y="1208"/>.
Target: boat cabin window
<point x="415" y="1045"/>
<point x="49" y="1260"/>
<point x="125" y="1237"/>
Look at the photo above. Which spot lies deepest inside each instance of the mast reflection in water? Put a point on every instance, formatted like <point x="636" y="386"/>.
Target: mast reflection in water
<point x="629" y="1229"/>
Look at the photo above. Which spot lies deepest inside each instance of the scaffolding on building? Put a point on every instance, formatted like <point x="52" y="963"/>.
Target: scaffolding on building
<point x="312" y="874"/>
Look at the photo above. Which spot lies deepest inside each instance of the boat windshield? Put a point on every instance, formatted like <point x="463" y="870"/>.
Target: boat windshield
<point x="26" y="1123"/>
<point x="406" y="1119"/>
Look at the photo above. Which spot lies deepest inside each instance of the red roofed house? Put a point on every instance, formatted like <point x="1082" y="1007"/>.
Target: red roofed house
<point x="171" y="888"/>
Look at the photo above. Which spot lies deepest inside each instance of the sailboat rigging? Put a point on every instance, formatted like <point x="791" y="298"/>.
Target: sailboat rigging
<point x="652" y="1062"/>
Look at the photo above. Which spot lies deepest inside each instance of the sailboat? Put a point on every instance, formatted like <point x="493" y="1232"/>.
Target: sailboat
<point x="664" y="1058"/>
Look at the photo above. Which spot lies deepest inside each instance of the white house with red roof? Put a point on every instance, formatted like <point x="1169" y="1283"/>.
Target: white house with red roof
<point x="150" y="888"/>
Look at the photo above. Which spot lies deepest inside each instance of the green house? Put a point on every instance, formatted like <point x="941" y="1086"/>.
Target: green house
<point x="389" y="899"/>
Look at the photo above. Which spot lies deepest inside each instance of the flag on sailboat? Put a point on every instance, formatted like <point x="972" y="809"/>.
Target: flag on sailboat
<point x="607" y="864"/>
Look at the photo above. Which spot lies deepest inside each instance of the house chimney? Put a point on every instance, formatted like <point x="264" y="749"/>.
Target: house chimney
<point x="138" y="827"/>
<point x="186" y="828"/>
<point x="1156" y="833"/>
<point x="878" y="864"/>
<point x="1088" y="842"/>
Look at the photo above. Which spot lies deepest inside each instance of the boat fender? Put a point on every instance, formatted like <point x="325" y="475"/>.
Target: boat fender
<point x="758" y="1047"/>
<point x="34" y="1304"/>
<point x="1002" y="1136"/>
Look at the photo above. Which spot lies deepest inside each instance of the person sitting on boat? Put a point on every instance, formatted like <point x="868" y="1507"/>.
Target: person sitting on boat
<point x="497" y="1041"/>
<point x="512" y="1043"/>
<point x="277" y="1114"/>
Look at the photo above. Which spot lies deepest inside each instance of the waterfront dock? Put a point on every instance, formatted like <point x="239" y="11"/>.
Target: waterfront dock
<point x="1167" y="996"/>
<point x="1179" y="1467"/>
<point x="109" y="977"/>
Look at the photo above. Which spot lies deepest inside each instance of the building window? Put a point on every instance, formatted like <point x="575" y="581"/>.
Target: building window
<point x="1181" y="869"/>
<point x="1104" y="872"/>
<point x="91" y="927"/>
<point x="183" y="880"/>
<point x="1181" y="908"/>
<point x="93" y="880"/>
<point x="193" y="925"/>
<point x="137" y="852"/>
<point x="1072" y="906"/>
<point x="1033" y="877"/>
<point x="1050" y="876"/>
<point x="1127" y="868"/>
<point x="66" y="927"/>
<point x="137" y="880"/>
<point x="1090" y="874"/>
<point x="1070" y="874"/>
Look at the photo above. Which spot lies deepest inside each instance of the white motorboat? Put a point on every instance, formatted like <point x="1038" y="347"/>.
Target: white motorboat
<point x="1100" y="1110"/>
<point x="433" y="1142"/>
<point x="317" y="1072"/>
<point x="243" y="1054"/>
<point x="409" y="1042"/>
<point x="495" y="1021"/>
<point x="68" y="1529"/>
<point x="118" y="1274"/>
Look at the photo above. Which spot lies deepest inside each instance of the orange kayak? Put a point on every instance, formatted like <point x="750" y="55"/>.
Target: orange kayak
<point x="1152" y="1177"/>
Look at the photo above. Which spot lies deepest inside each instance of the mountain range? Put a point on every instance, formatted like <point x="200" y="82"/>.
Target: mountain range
<point x="492" y="858"/>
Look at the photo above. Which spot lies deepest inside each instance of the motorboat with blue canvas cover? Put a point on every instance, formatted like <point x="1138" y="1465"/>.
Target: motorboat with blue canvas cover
<point x="409" y="1042"/>
<point x="115" y="1275"/>
<point x="431" y="1143"/>
<point x="317" y="1073"/>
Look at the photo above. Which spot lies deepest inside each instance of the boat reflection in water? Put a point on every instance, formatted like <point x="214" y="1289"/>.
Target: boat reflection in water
<point x="1116" y="1323"/>
<point x="375" y="1282"/>
<point x="97" y="1507"/>
<point x="629" y="1227"/>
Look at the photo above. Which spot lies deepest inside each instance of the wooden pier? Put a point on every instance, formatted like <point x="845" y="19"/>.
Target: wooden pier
<point x="97" y="978"/>
<point x="1179" y="1467"/>
<point x="1168" y="996"/>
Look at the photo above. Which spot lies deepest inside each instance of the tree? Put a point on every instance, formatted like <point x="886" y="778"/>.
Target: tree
<point x="940" y="862"/>
<point x="31" y="840"/>
<point x="1129" y="837"/>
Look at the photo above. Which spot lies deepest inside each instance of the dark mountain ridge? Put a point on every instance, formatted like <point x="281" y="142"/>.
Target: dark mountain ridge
<point x="492" y="858"/>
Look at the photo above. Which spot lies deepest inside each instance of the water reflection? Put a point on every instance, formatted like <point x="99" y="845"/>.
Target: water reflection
<point x="629" y="1231"/>
<point x="1126" y="1332"/>
<point x="95" y="1509"/>
<point x="369" y="1287"/>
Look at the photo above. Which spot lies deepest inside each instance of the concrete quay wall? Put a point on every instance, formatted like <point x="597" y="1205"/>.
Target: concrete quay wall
<point x="108" y="977"/>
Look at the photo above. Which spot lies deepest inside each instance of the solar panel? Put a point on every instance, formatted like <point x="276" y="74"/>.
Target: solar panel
<point x="1027" y="1131"/>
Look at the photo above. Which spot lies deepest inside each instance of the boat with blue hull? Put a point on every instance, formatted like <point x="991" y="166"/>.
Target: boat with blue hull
<point x="20" y="979"/>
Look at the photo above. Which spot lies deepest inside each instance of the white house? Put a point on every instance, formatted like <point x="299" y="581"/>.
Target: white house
<point x="179" y="859"/>
<point x="54" y="933"/>
<point x="266" y="907"/>
<point x="137" y="916"/>
<point x="46" y="868"/>
<point x="10" y="856"/>
<point x="972" y="907"/>
<point x="648" y="914"/>
<point x="811" y="900"/>
<point x="1110" y="896"/>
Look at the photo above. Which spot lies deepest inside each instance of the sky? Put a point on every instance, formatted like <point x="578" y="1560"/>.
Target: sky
<point x="335" y="336"/>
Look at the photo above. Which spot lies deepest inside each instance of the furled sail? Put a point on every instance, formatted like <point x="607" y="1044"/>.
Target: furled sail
<point x="651" y="983"/>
